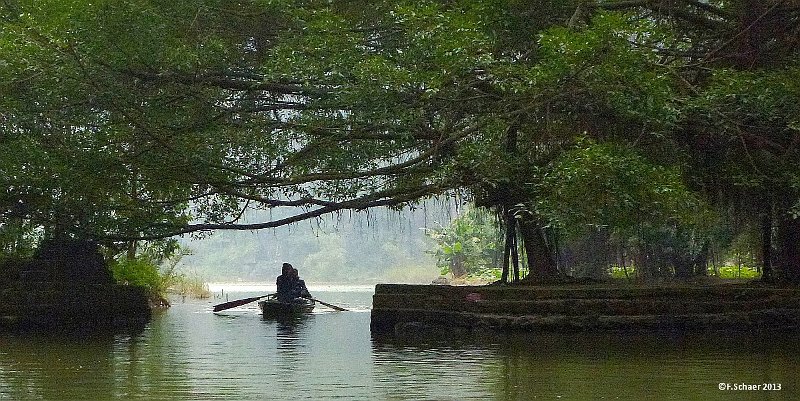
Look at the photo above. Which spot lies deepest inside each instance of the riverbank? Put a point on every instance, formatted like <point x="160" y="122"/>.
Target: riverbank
<point x="67" y="288"/>
<point x="408" y="309"/>
<point x="73" y="308"/>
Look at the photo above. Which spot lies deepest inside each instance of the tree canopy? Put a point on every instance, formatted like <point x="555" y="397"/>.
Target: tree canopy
<point x="132" y="120"/>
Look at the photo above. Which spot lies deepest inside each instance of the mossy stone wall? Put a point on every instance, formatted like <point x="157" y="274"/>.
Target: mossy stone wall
<point x="67" y="287"/>
<point x="398" y="309"/>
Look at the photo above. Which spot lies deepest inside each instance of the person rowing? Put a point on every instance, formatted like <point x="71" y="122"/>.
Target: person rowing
<point x="299" y="290"/>
<point x="285" y="284"/>
<point x="290" y="288"/>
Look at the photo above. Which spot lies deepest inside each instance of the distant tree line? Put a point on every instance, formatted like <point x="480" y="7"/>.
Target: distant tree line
<point x="384" y="246"/>
<point x="664" y="130"/>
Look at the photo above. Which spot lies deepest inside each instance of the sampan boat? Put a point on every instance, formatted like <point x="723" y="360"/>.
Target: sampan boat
<point x="271" y="307"/>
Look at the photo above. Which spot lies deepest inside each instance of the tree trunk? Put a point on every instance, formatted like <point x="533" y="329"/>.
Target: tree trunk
<point x="683" y="266"/>
<point x="701" y="261"/>
<point x="510" y="250"/>
<point x="540" y="259"/>
<point x="593" y="254"/>
<point x="788" y="257"/>
<point x="622" y="262"/>
<point x="766" y="244"/>
<point x="509" y="222"/>
<point x="457" y="265"/>
<point x="514" y="250"/>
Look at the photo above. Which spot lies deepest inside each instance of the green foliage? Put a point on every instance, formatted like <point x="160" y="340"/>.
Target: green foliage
<point x="618" y="272"/>
<point x="743" y="272"/>
<point x="611" y="76"/>
<point x="73" y="108"/>
<point x="472" y="239"/>
<point x="129" y="119"/>
<point x="141" y="272"/>
<point x="605" y="185"/>
<point x="723" y="272"/>
<point x="766" y="102"/>
<point x="155" y="269"/>
<point x="17" y="239"/>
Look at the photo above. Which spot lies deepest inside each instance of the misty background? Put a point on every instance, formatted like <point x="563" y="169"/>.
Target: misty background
<point x="380" y="245"/>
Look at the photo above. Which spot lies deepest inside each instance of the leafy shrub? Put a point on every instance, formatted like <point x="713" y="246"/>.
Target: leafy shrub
<point x="730" y="271"/>
<point x="141" y="272"/>
<point x="471" y="242"/>
<point x="618" y="272"/>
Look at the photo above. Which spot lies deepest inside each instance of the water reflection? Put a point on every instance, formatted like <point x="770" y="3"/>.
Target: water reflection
<point x="189" y="353"/>
<point x="124" y="366"/>
<point x="290" y="323"/>
<point x="290" y="346"/>
<point x="630" y="366"/>
<point x="152" y="365"/>
<point x="435" y="366"/>
<point x="40" y="369"/>
<point x="634" y="366"/>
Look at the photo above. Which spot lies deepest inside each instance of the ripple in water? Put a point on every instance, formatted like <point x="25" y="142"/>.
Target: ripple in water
<point x="189" y="353"/>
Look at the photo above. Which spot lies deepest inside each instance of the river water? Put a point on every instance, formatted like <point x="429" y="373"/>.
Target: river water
<point x="189" y="353"/>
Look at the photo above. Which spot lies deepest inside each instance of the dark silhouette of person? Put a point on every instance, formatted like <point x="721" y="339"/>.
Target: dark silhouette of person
<point x="299" y="290"/>
<point x="286" y="283"/>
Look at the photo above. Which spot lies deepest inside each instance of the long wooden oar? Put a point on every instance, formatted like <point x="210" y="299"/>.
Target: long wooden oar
<point x="339" y="308"/>
<point x="238" y="302"/>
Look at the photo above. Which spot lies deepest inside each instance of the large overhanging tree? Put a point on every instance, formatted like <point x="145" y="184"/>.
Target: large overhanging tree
<point x="147" y="119"/>
<point x="158" y="109"/>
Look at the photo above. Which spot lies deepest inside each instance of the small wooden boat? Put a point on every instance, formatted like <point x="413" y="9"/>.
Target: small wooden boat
<point x="271" y="307"/>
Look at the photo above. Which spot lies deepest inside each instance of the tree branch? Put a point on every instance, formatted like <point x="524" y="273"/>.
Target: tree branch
<point x="385" y="198"/>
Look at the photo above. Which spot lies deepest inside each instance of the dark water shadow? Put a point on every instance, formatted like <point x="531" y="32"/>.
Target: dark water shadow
<point x="614" y="365"/>
<point x="145" y="363"/>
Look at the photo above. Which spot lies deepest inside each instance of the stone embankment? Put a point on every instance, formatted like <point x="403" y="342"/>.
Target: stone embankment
<point x="67" y="288"/>
<point x="408" y="309"/>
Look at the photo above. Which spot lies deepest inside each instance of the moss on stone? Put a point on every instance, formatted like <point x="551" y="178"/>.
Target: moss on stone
<point x="748" y="306"/>
<point x="66" y="288"/>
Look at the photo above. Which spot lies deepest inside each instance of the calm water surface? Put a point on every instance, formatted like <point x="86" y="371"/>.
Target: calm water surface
<point x="189" y="353"/>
